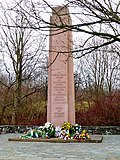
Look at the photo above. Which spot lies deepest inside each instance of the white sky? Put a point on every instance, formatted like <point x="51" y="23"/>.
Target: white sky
<point x="55" y="2"/>
<point x="51" y="2"/>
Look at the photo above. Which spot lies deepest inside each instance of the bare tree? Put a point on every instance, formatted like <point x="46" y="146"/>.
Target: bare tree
<point x="94" y="18"/>
<point x="98" y="73"/>
<point x="23" y="49"/>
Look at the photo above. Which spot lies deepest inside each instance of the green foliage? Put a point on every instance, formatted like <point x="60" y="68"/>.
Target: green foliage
<point x="83" y="105"/>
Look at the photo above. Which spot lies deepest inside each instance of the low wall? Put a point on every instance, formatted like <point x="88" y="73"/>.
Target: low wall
<point x="104" y="130"/>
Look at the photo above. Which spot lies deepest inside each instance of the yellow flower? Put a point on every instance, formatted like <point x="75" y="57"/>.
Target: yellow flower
<point x="84" y="131"/>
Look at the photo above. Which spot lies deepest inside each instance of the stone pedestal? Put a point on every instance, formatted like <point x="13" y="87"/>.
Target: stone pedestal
<point x="61" y="106"/>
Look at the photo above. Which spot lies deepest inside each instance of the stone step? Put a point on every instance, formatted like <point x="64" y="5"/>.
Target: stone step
<point x="93" y="139"/>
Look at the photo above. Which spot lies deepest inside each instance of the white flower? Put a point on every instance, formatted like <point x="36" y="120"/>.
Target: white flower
<point x="40" y="128"/>
<point x="47" y="124"/>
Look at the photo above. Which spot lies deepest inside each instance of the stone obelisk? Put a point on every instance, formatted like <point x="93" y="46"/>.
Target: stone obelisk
<point x="61" y="105"/>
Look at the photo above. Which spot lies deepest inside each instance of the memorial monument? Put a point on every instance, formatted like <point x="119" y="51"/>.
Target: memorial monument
<point x="61" y="105"/>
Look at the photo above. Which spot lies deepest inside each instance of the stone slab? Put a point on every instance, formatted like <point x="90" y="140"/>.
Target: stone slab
<point x="93" y="139"/>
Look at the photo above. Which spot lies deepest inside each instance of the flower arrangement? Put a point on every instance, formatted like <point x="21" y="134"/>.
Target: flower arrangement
<point x="32" y="133"/>
<point x="66" y="131"/>
<point x="48" y="130"/>
<point x="83" y="136"/>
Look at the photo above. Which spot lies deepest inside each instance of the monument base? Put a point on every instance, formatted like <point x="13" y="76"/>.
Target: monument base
<point x="93" y="139"/>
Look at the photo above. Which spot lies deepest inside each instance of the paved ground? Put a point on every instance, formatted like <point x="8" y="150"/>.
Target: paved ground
<point x="109" y="149"/>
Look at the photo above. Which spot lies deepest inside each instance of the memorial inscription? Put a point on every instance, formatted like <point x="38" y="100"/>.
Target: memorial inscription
<point x="59" y="94"/>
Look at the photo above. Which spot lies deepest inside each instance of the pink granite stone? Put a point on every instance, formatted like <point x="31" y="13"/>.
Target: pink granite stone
<point x="61" y="105"/>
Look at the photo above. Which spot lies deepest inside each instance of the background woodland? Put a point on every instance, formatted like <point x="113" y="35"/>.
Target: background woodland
<point x="24" y="34"/>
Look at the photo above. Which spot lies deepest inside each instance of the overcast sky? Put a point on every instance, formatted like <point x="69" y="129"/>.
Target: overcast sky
<point x="55" y="2"/>
<point x="51" y="2"/>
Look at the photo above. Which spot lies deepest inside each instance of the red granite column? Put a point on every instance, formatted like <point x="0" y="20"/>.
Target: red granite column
<point x="61" y="107"/>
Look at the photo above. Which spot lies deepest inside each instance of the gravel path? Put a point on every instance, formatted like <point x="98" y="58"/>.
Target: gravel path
<point x="109" y="149"/>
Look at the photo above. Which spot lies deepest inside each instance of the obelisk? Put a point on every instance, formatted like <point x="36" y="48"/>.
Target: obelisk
<point x="61" y="103"/>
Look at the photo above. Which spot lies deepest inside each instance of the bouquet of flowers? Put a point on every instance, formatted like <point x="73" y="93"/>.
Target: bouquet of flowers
<point x="84" y="135"/>
<point x="49" y="130"/>
<point x="33" y="133"/>
<point x="66" y="131"/>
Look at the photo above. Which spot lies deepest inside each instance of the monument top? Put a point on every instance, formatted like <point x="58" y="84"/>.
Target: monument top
<point x="60" y="16"/>
<point x="60" y="10"/>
